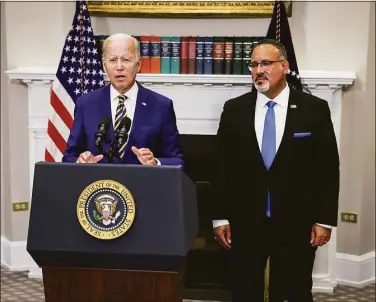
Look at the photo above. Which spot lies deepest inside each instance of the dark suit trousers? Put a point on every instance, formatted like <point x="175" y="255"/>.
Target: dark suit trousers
<point x="291" y="265"/>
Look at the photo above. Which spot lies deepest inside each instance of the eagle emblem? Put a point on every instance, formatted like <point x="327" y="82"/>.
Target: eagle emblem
<point x="105" y="209"/>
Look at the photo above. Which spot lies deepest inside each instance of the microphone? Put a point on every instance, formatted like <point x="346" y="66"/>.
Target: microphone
<point x="101" y="131"/>
<point x="122" y="133"/>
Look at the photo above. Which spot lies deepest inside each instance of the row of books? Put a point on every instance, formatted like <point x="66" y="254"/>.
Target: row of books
<point x="195" y="54"/>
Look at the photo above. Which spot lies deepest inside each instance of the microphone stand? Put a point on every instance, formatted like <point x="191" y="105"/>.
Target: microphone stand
<point x="114" y="146"/>
<point x="100" y="147"/>
<point x="110" y="154"/>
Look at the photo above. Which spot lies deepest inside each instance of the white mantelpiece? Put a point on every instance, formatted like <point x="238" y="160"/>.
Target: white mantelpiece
<point x="198" y="102"/>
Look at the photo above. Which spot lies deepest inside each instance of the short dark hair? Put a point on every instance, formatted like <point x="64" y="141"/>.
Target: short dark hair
<point x="276" y="44"/>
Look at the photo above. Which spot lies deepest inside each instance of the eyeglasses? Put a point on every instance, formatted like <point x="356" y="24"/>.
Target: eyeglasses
<point x="266" y="64"/>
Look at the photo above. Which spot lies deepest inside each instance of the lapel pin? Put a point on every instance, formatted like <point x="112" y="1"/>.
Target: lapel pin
<point x="143" y="104"/>
<point x="293" y="106"/>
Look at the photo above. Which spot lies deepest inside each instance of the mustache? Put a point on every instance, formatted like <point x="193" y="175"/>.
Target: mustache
<point x="261" y="75"/>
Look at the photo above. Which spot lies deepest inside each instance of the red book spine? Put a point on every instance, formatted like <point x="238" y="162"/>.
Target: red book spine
<point x="145" y="54"/>
<point x="192" y="55"/>
<point x="184" y="55"/>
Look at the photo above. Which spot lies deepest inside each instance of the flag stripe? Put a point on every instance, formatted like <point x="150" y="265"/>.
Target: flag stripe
<point x="63" y="96"/>
<point x="61" y="110"/>
<point x="57" y="138"/>
<point x="48" y="156"/>
<point x="54" y="152"/>
<point x="60" y="127"/>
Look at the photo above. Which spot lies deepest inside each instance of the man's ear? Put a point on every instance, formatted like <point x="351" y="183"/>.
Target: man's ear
<point x="104" y="65"/>
<point x="139" y="63"/>
<point x="286" y="67"/>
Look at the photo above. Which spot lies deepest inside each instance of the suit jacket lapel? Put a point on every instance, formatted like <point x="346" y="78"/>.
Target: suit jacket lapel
<point x="138" y="117"/>
<point x="253" y="138"/>
<point x="105" y="109"/>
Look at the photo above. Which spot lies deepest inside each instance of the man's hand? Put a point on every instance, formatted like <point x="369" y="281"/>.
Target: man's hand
<point x="145" y="156"/>
<point x="88" y="158"/>
<point x="320" y="235"/>
<point x="223" y="235"/>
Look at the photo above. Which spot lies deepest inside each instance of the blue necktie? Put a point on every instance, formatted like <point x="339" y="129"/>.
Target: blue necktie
<point x="268" y="148"/>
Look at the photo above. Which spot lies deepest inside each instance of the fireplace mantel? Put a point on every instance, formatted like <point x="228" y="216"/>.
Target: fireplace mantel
<point x="198" y="102"/>
<point x="312" y="78"/>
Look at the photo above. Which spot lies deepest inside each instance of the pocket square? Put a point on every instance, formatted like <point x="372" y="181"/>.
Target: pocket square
<point x="302" y="134"/>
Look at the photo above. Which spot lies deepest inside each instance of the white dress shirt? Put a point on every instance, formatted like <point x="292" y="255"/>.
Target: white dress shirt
<point x="280" y="110"/>
<point x="130" y="102"/>
<point x="130" y="105"/>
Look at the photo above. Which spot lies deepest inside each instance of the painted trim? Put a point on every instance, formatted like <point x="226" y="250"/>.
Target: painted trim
<point x="354" y="270"/>
<point x="351" y="270"/>
<point x="334" y="79"/>
<point x="14" y="257"/>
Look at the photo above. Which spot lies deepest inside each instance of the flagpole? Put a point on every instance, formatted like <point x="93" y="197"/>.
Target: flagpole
<point x="267" y="281"/>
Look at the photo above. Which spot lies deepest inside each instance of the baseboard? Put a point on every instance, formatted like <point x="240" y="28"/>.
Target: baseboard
<point x="14" y="257"/>
<point x="323" y="284"/>
<point x="351" y="270"/>
<point x="356" y="271"/>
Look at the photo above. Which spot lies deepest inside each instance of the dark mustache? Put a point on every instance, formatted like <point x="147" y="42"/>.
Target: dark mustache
<point x="261" y="75"/>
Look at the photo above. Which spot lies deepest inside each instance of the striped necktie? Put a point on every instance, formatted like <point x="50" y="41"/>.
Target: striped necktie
<point x="121" y="112"/>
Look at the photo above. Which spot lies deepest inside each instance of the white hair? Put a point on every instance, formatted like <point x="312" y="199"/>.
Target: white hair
<point x="124" y="37"/>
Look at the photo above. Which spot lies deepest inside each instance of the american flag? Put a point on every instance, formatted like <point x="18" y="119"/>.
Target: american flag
<point x="279" y="29"/>
<point x="80" y="71"/>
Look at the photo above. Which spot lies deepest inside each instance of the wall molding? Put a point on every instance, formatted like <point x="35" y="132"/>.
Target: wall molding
<point x="312" y="78"/>
<point x="352" y="270"/>
<point x="14" y="257"/>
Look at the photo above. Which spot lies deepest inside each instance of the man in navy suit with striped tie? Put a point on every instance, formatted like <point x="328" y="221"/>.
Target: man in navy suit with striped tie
<point x="277" y="182"/>
<point x="153" y="137"/>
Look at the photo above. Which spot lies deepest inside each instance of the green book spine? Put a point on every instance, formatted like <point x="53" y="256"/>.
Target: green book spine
<point x="238" y="55"/>
<point x="175" y="55"/>
<point x="165" y="55"/>
<point x="247" y="52"/>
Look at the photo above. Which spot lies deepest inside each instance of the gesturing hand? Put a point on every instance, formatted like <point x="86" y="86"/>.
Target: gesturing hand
<point x="145" y="156"/>
<point x="88" y="158"/>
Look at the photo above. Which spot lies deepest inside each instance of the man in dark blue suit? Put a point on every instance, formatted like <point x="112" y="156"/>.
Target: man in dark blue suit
<point x="153" y="137"/>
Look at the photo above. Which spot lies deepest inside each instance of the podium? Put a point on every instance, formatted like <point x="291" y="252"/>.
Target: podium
<point x="109" y="233"/>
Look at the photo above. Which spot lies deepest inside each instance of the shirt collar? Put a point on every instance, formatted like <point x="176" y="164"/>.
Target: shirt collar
<point x="281" y="99"/>
<point x="131" y="94"/>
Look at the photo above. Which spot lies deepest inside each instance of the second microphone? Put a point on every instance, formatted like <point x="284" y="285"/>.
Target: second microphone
<point x="122" y="132"/>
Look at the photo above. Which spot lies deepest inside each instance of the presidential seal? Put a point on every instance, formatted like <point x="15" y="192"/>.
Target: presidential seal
<point x="106" y="209"/>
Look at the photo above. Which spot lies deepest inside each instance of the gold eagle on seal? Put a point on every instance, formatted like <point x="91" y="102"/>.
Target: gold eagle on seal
<point x="105" y="209"/>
